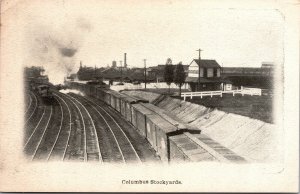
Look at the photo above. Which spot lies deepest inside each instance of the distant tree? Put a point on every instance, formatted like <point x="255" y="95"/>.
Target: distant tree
<point x="179" y="76"/>
<point x="169" y="73"/>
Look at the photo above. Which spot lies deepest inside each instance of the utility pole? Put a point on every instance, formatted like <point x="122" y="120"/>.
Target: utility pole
<point x="145" y="72"/>
<point x="121" y="72"/>
<point x="199" y="50"/>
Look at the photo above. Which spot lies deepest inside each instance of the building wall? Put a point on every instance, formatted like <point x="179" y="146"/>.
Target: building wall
<point x="193" y="70"/>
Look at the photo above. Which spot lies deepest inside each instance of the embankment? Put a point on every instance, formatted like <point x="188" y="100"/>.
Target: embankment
<point x="252" y="139"/>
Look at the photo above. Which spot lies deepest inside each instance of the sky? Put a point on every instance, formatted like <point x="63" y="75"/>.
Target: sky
<point x="59" y="34"/>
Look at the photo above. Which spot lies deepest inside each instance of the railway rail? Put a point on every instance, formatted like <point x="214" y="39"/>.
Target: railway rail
<point x="125" y="146"/>
<point x="92" y="150"/>
<point x="74" y="128"/>
<point x="34" y="109"/>
<point x="37" y="134"/>
<point x="28" y="104"/>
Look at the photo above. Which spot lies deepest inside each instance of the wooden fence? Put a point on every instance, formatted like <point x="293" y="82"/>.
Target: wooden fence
<point x="243" y="91"/>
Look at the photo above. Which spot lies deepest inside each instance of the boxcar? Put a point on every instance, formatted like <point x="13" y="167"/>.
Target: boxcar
<point x="101" y="93"/>
<point x="115" y="100"/>
<point x="158" y="132"/>
<point x="169" y="118"/>
<point x="126" y="106"/>
<point x="182" y="148"/>
<point x="107" y="97"/>
<point x="126" y="103"/>
<point x="139" y="114"/>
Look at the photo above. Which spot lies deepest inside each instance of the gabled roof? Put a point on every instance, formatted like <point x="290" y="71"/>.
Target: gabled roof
<point x="207" y="63"/>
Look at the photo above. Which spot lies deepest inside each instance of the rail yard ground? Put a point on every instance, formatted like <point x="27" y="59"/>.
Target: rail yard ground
<point x="79" y="128"/>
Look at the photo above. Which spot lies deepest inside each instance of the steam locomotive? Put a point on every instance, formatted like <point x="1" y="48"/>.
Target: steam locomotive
<point x="42" y="86"/>
<point x="44" y="91"/>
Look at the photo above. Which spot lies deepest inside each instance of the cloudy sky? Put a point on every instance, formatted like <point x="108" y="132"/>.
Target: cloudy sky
<point x="59" y="34"/>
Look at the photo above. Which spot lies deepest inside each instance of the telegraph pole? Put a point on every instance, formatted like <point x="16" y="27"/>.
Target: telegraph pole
<point x="121" y="72"/>
<point x="145" y="72"/>
<point x="199" y="50"/>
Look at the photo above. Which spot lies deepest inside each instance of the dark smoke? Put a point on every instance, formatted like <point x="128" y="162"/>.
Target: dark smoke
<point x="68" y="52"/>
<point x="56" y="47"/>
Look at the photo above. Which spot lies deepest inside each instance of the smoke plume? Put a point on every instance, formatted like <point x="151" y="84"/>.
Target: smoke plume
<point x="55" y="48"/>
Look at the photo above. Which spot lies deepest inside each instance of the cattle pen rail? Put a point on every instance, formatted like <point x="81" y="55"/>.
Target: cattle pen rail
<point x="243" y="91"/>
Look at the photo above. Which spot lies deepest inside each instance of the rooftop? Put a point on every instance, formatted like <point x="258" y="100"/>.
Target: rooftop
<point x="207" y="63"/>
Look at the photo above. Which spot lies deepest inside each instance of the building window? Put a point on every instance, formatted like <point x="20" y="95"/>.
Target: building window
<point x="210" y="72"/>
<point x="205" y="72"/>
<point x="215" y="72"/>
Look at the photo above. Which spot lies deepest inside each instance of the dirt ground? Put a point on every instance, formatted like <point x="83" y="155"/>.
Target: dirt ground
<point x="257" y="107"/>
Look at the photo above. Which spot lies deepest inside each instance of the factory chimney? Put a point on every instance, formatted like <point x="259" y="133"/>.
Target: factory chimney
<point x="125" y="62"/>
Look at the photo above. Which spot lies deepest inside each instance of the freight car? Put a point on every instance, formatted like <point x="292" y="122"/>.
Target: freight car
<point x="150" y="121"/>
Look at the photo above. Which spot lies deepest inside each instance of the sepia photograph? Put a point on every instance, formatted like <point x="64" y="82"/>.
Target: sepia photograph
<point x="149" y="95"/>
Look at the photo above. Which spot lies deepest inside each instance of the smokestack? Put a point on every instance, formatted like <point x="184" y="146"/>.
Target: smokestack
<point x="125" y="62"/>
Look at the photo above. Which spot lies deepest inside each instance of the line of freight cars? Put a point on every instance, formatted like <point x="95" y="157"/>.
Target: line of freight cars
<point x="148" y="119"/>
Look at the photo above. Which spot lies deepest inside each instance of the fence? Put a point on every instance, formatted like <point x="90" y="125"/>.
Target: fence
<point x="242" y="91"/>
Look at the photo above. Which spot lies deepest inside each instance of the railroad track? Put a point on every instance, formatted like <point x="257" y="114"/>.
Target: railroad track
<point x="32" y="143"/>
<point x="34" y="109"/>
<point x="125" y="147"/>
<point x="28" y="104"/>
<point x="93" y="151"/>
<point x="143" y="148"/>
<point x="50" y="137"/>
<point x="90" y="143"/>
<point x="60" y="145"/>
<point x="74" y="128"/>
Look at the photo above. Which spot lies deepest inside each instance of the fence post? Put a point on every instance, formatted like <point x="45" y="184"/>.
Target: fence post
<point x="184" y="97"/>
<point x="192" y="95"/>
